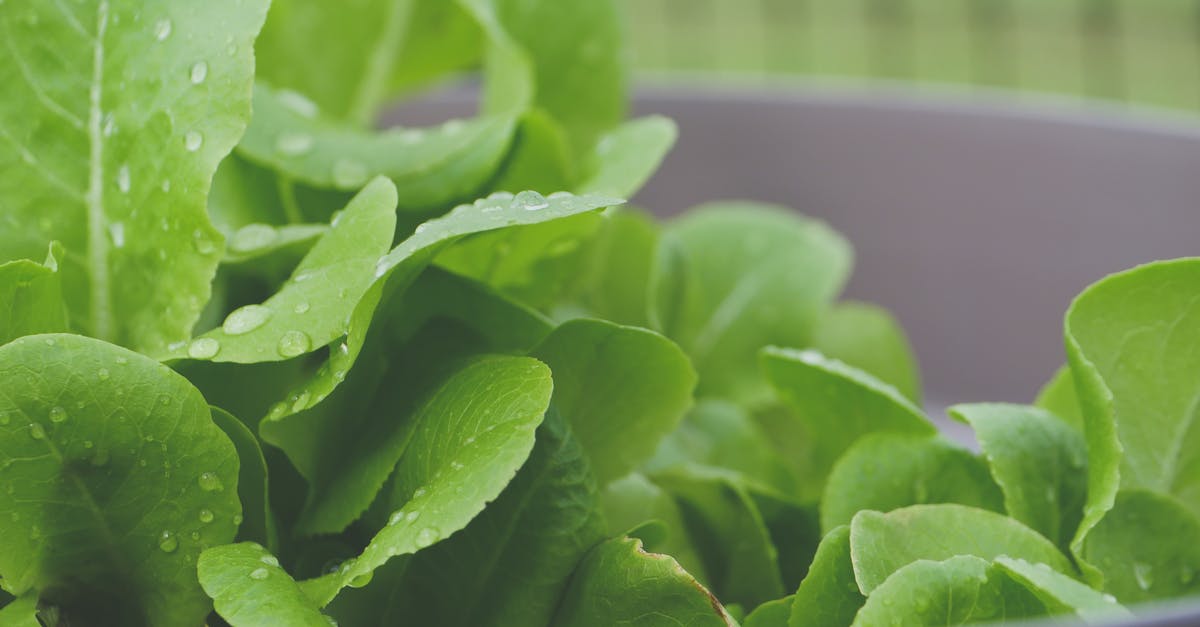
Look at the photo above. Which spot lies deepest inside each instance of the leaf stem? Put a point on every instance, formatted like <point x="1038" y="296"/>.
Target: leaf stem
<point x="287" y="196"/>
<point x="380" y="63"/>
<point x="101" y="298"/>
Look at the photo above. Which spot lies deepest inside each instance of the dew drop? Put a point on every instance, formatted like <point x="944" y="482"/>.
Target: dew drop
<point x="37" y="431"/>
<point x="410" y="136"/>
<point x="269" y="560"/>
<point x="58" y="415"/>
<point x="245" y="319"/>
<point x="293" y="343"/>
<point x="298" y="103"/>
<point x="122" y="360"/>
<point x="258" y="574"/>
<point x="418" y="493"/>
<point x="396" y="517"/>
<point x="206" y="516"/>
<point x="162" y="29"/>
<point x="253" y="237"/>
<point x="102" y="374"/>
<point x="210" y="482"/>
<point x="426" y="537"/>
<point x="123" y="182"/>
<point x="348" y="173"/>
<point x="293" y="144"/>
<point x="199" y="72"/>
<point x="412" y="516"/>
<point x="560" y="195"/>
<point x="237" y="519"/>
<point x="301" y="308"/>
<point x="453" y="127"/>
<point x="360" y="581"/>
<point x="203" y="348"/>
<point x="166" y="185"/>
<point x="167" y="542"/>
<point x="202" y="243"/>
<point x="4" y="419"/>
<point x="530" y="201"/>
<point x="192" y="140"/>
<point x="88" y="444"/>
<point x="1144" y="575"/>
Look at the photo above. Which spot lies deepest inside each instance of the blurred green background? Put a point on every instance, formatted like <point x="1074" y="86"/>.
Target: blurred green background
<point x="1136" y="51"/>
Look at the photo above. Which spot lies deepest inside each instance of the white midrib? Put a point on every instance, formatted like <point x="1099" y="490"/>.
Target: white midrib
<point x="101" y="298"/>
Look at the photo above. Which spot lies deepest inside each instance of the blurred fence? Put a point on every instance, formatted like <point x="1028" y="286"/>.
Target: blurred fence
<point x="1145" y="51"/>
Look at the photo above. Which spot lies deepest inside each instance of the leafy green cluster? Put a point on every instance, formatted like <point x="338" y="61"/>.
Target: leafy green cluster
<point x="282" y="368"/>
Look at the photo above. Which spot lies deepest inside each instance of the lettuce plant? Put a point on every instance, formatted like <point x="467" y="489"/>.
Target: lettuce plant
<point x="262" y="363"/>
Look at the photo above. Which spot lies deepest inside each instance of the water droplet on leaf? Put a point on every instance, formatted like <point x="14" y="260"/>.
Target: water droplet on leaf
<point x="293" y="344"/>
<point x="192" y="140"/>
<point x="245" y="319"/>
<point x="102" y="374"/>
<point x="348" y="173"/>
<point x="198" y="73"/>
<point x="206" y="516"/>
<point x="1144" y="575"/>
<point x="123" y="181"/>
<point x="37" y="431"/>
<point x="301" y="308"/>
<point x="530" y="201"/>
<point x="293" y="144"/>
<point x="258" y="574"/>
<point x="162" y="29"/>
<point x="210" y="482"/>
<point x="426" y="537"/>
<point x="203" y="348"/>
<point x="58" y="414"/>
<point x="298" y="103"/>
<point x="167" y="542"/>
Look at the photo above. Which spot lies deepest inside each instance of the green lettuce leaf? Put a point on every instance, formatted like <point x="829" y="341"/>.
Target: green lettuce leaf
<point x="510" y="565"/>
<point x="314" y="307"/>
<point x="451" y="457"/>
<point x="1146" y="548"/>
<point x="829" y="595"/>
<point x="32" y="297"/>
<point x="741" y="276"/>
<point x="887" y="471"/>
<point x="619" y="583"/>
<point x="1133" y="344"/>
<point x="396" y="271"/>
<point x="960" y="590"/>
<point x="828" y="406"/>
<point x="622" y="389"/>
<point x="868" y="337"/>
<point x="881" y="544"/>
<point x="1039" y="462"/>
<point x="116" y="479"/>
<point x="431" y="167"/>
<point x="249" y="588"/>
<point x="1061" y="594"/>
<point x="110" y="141"/>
